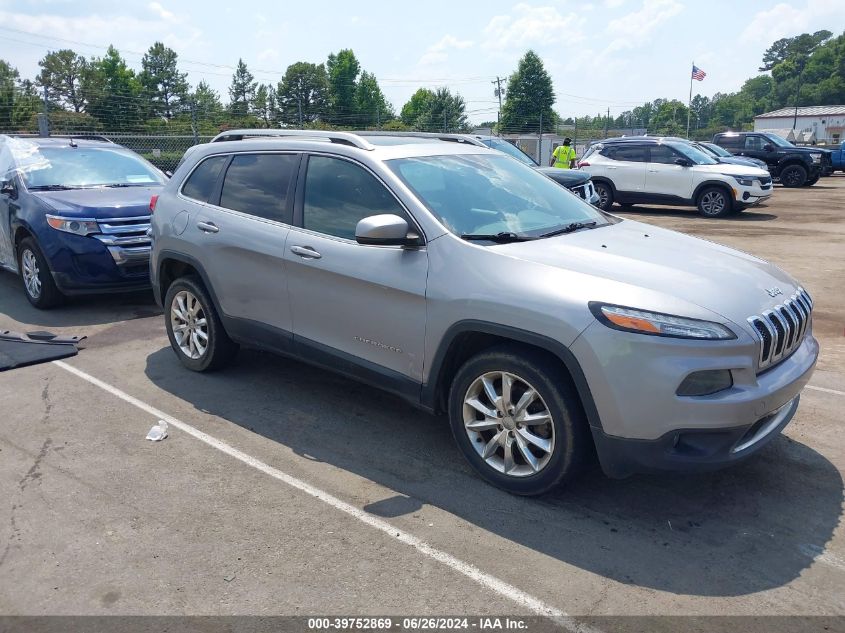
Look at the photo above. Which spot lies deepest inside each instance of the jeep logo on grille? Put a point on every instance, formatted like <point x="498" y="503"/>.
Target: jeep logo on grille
<point x="774" y="292"/>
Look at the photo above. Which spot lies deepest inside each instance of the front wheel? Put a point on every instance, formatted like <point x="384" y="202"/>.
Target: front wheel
<point x="605" y="194"/>
<point x="811" y="181"/>
<point x="518" y="421"/>
<point x="793" y="176"/>
<point x="38" y="283"/>
<point x="194" y="328"/>
<point x="714" y="202"/>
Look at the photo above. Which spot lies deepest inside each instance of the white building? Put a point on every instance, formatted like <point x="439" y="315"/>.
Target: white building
<point x="822" y="124"/>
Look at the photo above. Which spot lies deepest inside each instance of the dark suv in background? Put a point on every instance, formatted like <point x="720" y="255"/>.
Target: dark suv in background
<point x="794" y="166"/>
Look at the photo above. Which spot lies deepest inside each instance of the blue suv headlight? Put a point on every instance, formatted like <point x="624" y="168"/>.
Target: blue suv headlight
<point x="78" y="226"/>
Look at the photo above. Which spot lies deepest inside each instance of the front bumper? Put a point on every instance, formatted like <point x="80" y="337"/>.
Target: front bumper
<point x="755" y="194"/>
<point x="645" y="426"/>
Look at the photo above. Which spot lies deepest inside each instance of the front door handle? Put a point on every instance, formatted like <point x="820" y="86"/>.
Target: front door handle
<point x="305" y="251"/>
<point x="207" y="227"/>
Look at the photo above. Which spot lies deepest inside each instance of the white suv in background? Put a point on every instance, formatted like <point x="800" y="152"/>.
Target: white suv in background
<point x="661" y="171"/>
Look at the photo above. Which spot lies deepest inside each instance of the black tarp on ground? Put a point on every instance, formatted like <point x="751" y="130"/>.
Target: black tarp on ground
<point x="20" y="350"/>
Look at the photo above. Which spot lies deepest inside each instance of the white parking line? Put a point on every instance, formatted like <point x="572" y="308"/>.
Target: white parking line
<point x="484" y="579"/>
<point x="825" y="390"/>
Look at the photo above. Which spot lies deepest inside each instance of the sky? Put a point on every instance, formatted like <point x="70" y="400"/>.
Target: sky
<point x="600" y="54"/>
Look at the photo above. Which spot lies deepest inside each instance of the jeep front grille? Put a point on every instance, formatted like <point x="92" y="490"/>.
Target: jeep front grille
<point x="781" y="329"/>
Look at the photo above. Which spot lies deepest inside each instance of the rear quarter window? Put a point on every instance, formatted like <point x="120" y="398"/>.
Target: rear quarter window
<point x="200" y="184"/>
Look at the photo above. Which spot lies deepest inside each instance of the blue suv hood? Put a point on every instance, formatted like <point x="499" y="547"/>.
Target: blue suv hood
<point x="100" y="202"/>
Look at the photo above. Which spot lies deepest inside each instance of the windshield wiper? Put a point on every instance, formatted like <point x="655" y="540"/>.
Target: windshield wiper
<point x="52" y="188"/>
<point x="502" y="238"/>
<point x="127" y="184"/>
<point x="569" y="228"/>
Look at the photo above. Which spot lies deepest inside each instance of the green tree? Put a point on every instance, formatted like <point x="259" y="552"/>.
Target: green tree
<point x="530" y="96"/>
<point x="373" y="109"/>
<point x="445" y="112"/>
<point x="263" y="104"/>
<point x="9" y="78"/>
<point x="206" y="101"/>
<point x="61" y="73"/>
<point x="113" y="92"/>
<point x="241" y="91"/>
<point x="419" y="103"/>
<point x="163" y="84"/>
<point x="342" y="70"/>
<point x="302" y="94"/>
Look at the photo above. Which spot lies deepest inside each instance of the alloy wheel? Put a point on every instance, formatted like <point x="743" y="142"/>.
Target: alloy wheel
<point x="713" y="202"/>
<point x="508" y="424"/>
<point x="31" y="273"/>
<point x="189" y="324"/>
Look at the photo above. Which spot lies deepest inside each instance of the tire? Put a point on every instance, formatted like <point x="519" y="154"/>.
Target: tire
<point x="793" y="176"/>
<point x="605" y="193"/>
<point x="811" y="181"/>
<point x="189" y="316"/>
<point x="714" y="202"/>
<point x="739" y="208"/>
<point x="626" y="205"/>
<point x="38" y="284"/>
<point x="564" y="433"/>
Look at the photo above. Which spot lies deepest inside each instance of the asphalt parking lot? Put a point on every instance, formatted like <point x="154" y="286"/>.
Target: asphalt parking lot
<point x="283" y="489"/>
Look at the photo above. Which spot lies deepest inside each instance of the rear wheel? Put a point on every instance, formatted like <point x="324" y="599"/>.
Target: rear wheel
<point x="793" y="176"/>
<point x="38" y="283"/>
<point x="714" y="202"/>
<point x="518" y="421"/>
<point x="605" y="194"/>
<point x="194" y="328"/>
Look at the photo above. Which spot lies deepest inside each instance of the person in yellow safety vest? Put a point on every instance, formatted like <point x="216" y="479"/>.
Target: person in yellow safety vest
<point x="564" y="155"/>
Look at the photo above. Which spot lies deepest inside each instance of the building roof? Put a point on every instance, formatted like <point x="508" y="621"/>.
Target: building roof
<point x="804" y="111"/>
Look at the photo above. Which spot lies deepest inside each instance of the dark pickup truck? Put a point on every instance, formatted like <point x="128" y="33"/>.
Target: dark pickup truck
<point x="793" y="166"/>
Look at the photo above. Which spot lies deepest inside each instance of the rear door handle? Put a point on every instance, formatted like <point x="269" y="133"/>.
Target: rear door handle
<point x="305" y="251"/>
<point x="207" y="227"/>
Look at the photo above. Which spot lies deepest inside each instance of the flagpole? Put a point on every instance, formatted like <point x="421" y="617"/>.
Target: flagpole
<point x="689" y="103"/>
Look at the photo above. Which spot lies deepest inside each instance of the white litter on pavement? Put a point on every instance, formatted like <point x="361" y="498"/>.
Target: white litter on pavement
<point x="158" y="432"/>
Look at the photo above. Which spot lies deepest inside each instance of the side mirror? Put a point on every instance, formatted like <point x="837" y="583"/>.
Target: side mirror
<point x="683" y="162"/>
<point x="7" y="188"/>
<point x="385" y="230"/>
<point x="768" y="147"/>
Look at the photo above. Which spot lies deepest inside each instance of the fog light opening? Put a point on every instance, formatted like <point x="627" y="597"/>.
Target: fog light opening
<point x="705" y="383"/>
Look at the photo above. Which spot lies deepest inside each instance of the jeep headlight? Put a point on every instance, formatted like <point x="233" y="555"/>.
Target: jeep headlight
<point x="78" y="226"/>
<point x="658" y="324"/>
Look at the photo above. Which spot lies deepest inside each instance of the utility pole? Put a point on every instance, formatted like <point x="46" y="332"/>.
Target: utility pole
<point x="445" y="120"/>
<point x="575" y="135"/>
<point x="378" y="116"/>
<point x="607" y="123"/>
<point x="44" y="117"/>
<point x="797" y="93"/>
<point x="540" y="141"/>
<point x="194" y="121"/>
<point x="498" y="93"/>
<point x="299" y="107"/>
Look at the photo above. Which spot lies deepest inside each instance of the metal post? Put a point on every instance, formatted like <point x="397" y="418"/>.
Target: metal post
<point x="797" y="92"/>
<point x="498" y="93"/>
<point x="689" y="103"/>
<point x="44" y="117"/>
<point x="299" y="107"/>
<point x="378" y="116"/>
<point x="607" y="123"/>
<point x="540" y="141"/>
<point x="194" y="121"/>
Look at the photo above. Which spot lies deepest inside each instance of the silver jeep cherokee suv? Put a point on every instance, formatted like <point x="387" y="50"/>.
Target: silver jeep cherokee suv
<point x="470" y="284"/>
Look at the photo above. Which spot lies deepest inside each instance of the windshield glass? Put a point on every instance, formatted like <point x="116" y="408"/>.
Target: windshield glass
<point x="777" y="140"/>
<point x="79" y="167"/>
<point x="696" y="155"/>
<point x="715" y="149"/>
<point x="484" y="194"/>
<point x="511" y="150"/>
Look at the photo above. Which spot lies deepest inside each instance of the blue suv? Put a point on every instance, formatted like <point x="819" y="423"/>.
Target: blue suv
<point x="74" y="216"/>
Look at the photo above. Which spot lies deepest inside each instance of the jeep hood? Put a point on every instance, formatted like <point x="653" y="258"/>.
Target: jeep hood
<point x="100" y="202"/>
<point x="721" y="280"/>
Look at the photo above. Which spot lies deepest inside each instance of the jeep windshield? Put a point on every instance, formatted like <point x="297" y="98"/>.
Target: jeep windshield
<point x="477" y="195"/>
<point x="56" y="168"/>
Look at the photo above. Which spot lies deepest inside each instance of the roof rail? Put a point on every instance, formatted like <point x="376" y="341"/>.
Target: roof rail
<point x="435" y="136"/>
<point x="341" y="138"/>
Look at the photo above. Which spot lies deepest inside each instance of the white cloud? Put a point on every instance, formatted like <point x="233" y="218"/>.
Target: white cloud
<point x="637" y="28"/>
<point x="613" y="4"/>
<point x="529" y="26"/>
<point x="437" y="53"/>
<point x="161" y="12"/>
<point x="785" y="20"/>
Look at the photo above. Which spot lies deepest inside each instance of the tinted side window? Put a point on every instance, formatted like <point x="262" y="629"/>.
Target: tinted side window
<point x="729" y="142"/>
<point x="202" y="180"/>
<point x="628" y="153"/>
<point x="662" y="154"/>
<point x="754" y="143"/>
<point x="338" y="194"/>
<point x="258" y="184"/>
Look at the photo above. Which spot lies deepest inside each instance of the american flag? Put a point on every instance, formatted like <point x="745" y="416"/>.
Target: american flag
<point x="697" y="73"/>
